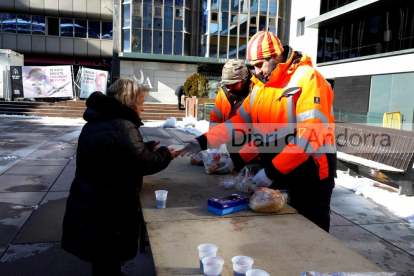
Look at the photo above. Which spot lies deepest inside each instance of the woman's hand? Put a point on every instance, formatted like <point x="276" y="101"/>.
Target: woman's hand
<point x="174" y="154"/>
<point x="156" y="145"/>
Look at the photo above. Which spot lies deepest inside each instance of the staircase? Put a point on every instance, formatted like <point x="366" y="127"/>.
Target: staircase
<point x="75" y="109"/>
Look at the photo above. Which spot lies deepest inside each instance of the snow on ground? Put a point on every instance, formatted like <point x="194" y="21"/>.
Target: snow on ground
<point x="399" y="205"/>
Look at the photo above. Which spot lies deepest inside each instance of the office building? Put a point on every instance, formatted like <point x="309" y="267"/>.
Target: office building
<point x="365" y="49"/>
<point x="64" y="32"/>
<point x="163" y="42"/>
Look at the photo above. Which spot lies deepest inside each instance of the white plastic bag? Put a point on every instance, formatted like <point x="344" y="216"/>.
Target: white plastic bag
<point x="243" y="181"/>
<point x="213" y="157"/>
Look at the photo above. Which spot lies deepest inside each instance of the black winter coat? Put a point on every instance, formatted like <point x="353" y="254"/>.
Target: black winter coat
<point x="101" y="219"/>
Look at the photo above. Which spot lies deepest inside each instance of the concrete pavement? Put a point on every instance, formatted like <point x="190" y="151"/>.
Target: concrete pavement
<point x="37" y="165"/>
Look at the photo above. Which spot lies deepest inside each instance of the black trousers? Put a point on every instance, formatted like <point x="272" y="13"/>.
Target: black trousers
<point x="179" y="103"/>
<point x="311" y="199"/>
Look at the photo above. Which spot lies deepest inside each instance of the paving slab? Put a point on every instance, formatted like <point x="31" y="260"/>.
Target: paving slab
<point x="8" y="161"/>
<point x="51" y="154"/>
<point x="64" y="180"/>
<point x="59" y="146"/>
<point x="72" y="162"/>
<point x="15" y="136"/>
<point x="45" y="224"/>
<point x="29" y="178"/>
<point x="358" y="209"/>
<point x="15" y="209"/>
<point x="51" y="259"/>
<point x="338" y="220"/>
<point x="399" y="234"/>
<point x="375" y="249"/>
<point x="45" y="162"/>
<point x="22" y="148"/>
<point x="41" y="259"/>
<point x="159" y="134"/>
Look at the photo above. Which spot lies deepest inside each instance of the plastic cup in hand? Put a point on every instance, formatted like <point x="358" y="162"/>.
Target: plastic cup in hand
<point x="161" y="197"/>
<point x="206" y="250"/>
<point x="256" y="272"/>
<point x="213" y="266"/>
<point x="241" y="264"/>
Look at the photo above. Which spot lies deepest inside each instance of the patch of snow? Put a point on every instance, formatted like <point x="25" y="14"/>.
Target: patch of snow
<point x="400" y="205"/>
<point x="20" y="251"/>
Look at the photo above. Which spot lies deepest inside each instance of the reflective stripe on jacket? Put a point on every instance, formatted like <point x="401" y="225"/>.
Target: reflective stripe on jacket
<point x="296" y="104"/>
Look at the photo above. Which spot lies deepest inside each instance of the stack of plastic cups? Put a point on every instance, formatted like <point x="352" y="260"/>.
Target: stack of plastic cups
<point x="213" y="266"/>
<point x="206" y="250"/>
<point x="241" y="264"/>
<point x="256" y="272"/>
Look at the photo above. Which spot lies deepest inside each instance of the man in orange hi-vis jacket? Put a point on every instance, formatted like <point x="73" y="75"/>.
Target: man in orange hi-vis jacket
<point x="290" y="112"/>
<point x="235" y="88"/>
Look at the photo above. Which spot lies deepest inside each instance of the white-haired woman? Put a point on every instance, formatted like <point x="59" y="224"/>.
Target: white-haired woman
<point x="101" y="220"/>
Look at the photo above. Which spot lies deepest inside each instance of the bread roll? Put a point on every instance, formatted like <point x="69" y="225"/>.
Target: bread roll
<point x="266" y="200"/>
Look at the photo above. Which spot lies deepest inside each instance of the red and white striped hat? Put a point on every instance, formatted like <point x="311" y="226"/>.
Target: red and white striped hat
<point x="263" y="44"/>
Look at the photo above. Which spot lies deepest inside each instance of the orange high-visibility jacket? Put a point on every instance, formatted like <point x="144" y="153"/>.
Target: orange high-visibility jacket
<point x="296" y="105"/>
<point x="222" y="111"/>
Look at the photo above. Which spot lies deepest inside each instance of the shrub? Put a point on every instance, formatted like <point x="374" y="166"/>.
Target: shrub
<point x="196" y="85"/>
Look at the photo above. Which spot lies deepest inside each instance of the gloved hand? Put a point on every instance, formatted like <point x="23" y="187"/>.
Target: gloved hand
<point x="193" y="146"/>
<point x="261" y="179"/>
<point x="226" y="166"/>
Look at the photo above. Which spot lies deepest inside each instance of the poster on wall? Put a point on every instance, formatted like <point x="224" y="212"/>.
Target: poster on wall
<point x="92" y="80"/>
<point x="47" y="82"/>
<point x="16" y="81"/>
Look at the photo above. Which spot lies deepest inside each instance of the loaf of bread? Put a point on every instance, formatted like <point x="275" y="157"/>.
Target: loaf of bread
<point x="266" y="200"/>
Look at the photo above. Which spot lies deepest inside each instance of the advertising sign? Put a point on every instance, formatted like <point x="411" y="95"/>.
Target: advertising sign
<point x="47" y="82"/>
<point x="92" y="80"/>
<point x="16" y="81"/>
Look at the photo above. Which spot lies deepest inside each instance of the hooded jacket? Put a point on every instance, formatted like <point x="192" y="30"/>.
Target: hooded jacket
<point x="101" y="218"/>
<point x="291" y="117"/>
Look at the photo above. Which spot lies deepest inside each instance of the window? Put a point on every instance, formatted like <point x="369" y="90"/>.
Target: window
<point x="148" y="17"/>
<point x="127" y="15"/>
<point x="157" y="42"/>
<point x="178" y="43"/>
<point x="178" y="3"/>
<point x="23" y="24"/>
<point x="94" y="29"/>
<point x="167" y="43"/>
<point x="9" y="22"/>
<point x="146" y="42"/>
<point x="127" y="40"/>
<point x="53" y="26"/>
<point x="300" y="30"/>
<point x="136" y="40"/>
<point x="81" y="28"/>
<point x="106" y="30"/>
<point x="66" y="27"/>
<point x="168" y="18"/>
<point x="38" y="25"/>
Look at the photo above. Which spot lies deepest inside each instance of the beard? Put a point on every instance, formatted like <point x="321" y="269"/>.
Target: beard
<point x="232" y="97"/>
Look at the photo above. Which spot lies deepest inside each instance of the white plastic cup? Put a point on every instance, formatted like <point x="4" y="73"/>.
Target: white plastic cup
<point x="213" y="266"/>
<point x="161" y="197"/>
<point x="241" y="264"/>
<point x="256" y="272"/>
<point x="206" y="250"/>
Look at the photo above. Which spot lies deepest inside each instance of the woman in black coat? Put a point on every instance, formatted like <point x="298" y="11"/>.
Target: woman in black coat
<point x="101" y="220"/>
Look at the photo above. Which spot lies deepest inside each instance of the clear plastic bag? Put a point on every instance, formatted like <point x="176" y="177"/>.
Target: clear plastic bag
<point x="266" y="200"/>
<point x="213" y="157"/>
<point x="243" y="181"/>
<point x="197" y="159"/>
<point x="227" y="182"/>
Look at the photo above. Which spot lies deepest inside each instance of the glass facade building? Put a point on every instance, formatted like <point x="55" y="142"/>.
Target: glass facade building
<point x="372" y="32"/>
<point x="204" y="28"/>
